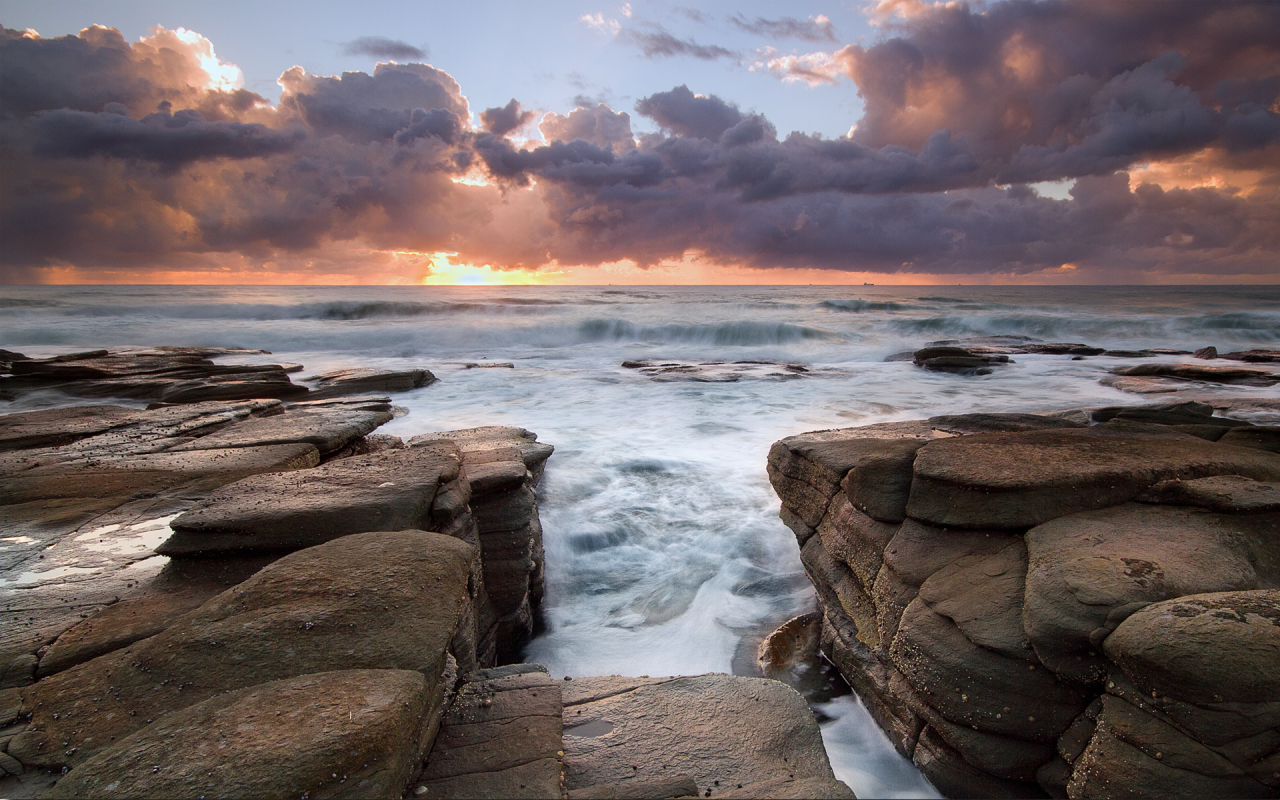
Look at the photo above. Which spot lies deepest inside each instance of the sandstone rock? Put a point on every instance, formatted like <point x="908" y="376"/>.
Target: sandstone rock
<point x="1194" y="372"/>
<point x="358" y="381"/>
<point x="1253" y="356"/>
<point x="58" y="426"/>
<point x="500" y="738"/>
<point x="327" y="429"/>
<point x="119" y="625"/>
<point x="1226" y="494"/>
<point x="721" y="371"/>
<point x="962" y="424"/>
<point x="791" y="789"/>
<point x="286" y="738"/>
<point x="1204" y="648"/>
<point x="1143" y="385"/>
<point x="155" y="472"/>
<point x="855" y="539"/>
<point x="1016" y="480"/>
<point x="1209" y="352"/>
<point x="676" y="786"/>
<point x="1089" y="571"/>
<point x="1260" y="437"/>
<point x="794" y="642"/>
<point x="957" y="359"/>
<point x="878" y="479"/>
<point x="387" y="491"/>
<point x="1184" y="413"/>
<point x="954" y="777"/>
<point x="621" y="730"/>
<point x="1135" y="754"/>
<point x="324" y="607"/>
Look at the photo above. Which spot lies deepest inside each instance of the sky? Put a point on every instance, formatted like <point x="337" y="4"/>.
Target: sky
<point x="885" y="141"/>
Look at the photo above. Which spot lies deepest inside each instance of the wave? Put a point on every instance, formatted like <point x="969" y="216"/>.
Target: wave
<point x="726" y="333"/>
<point x="333" y="311"/>
<point x="864" y="305"/>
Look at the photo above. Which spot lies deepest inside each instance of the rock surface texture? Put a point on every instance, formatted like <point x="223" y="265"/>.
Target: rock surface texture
<point x="1078" y="604"/>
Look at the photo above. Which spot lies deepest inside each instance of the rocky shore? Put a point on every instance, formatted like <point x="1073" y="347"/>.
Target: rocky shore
<point x="1076" y="604"/>
<point x="243" y="591"/>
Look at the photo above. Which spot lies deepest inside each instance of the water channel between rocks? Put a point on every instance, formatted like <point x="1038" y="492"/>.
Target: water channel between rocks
<point x="665" y="554"/>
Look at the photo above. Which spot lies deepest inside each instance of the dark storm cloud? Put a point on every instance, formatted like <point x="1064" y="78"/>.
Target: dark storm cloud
<point x="818" y="29"/>
<point x="661" y="44"/>
<point x="382" y="47"/>
<point x="686" y="114"/>
<point x="168" y="139"/>
<point x="505" y="119"/>
<point x="965" y="105"/>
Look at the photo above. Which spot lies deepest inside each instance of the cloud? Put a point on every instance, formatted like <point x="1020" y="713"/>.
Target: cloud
<point x="814" y="29"/>
<point x="690" y="115"/>
<point x="598" y="21"/>
<point x="505" y="119"/>
<point x="599" y="125"/>
<point x="660" y="44"/>
<point x="147" y="156"/>
<point x="382" y="47"/>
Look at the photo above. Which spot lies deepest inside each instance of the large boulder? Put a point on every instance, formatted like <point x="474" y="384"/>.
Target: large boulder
<point x="296" y="737"/>
<point x="357" y="381"/>
<point x="325" y="608"/>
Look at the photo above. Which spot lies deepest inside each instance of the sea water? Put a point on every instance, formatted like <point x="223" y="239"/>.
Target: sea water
<point x="665" y="554"/>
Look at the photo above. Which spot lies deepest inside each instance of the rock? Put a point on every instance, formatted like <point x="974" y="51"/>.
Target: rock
<point x="675" y="786"/>
<point x="58" y="426"/>
<point x="1135" y="754"/>
<point x="855" y="539"/>
<point x="500" y="738"/>
<point x="877" y="480"/>
<point x="962" y="424"/>
<point x="1142" y="385"/>
<point x="358" y="381"/>
<point x="1185" y="413"/>
<point x="1226" y="494"/>
<point x="286" y="738"/>
<point x="1259" y="437"/>
<point x="324" y="607"/>
<point x="723" y="371"/>
<point x="328" y="429"/>
<point x="792" y="789"/>
<point x="957" y="359"/>
<point x="385" y="492"/>
<point x="792" y="643"/>
<point x="1089" y="571"/>
<point x="1017" y="480"/>
<point x="170" y="375"/>
<point x="1206" y="353"/>
<point x="1253" y="356"/>
<point x="618" y="731"/>
<point x="19" y="671"/>
<point x="1204" y="648"/>
<point x="954" y="777"/>
<point x="155" y="472"/>
<point x="1193" y="372"/>
<point x="119" y="625"/>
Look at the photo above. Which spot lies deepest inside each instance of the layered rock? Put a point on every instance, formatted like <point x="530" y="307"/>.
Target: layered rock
<point x="977" y="573"/>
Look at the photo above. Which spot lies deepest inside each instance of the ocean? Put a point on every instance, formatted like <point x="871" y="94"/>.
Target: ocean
<point x="665" y="555"/>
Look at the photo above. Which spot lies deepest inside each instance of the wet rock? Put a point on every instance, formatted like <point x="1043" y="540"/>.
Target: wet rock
<point x="672" y="787"/>
<point x="1016" y="480"/>
<point x="1253" y="356"/>
<point x="618" y="731"/>
<point x="385" y="492"/>
<point x="1184" y="413"/>
<point x="1206" y="353"/>
<point x="500" y="738"/>
<point x="1226" y="494"/>
<point x="957" y="359"/>
<point x="170" y="375"/>
<point x="322" y="608"/>
<point x="1194" y="372"/>
<point x="1089" y="571"/>
<point x="963" y="424"/>
<point x="359" y="381"/>
<point x="287" y="738"/>
<point x="794" y="642"/>
<point x="1143" y="385"/>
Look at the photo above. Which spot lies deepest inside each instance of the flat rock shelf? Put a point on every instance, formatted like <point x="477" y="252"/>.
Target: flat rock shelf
<point x="243" y="594"/>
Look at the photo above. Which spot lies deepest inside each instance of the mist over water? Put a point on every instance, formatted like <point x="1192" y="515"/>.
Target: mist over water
<point x="665" y="554"/>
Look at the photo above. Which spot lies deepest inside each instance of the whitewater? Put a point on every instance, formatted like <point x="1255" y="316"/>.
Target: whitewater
<point x="665" y="554"/>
